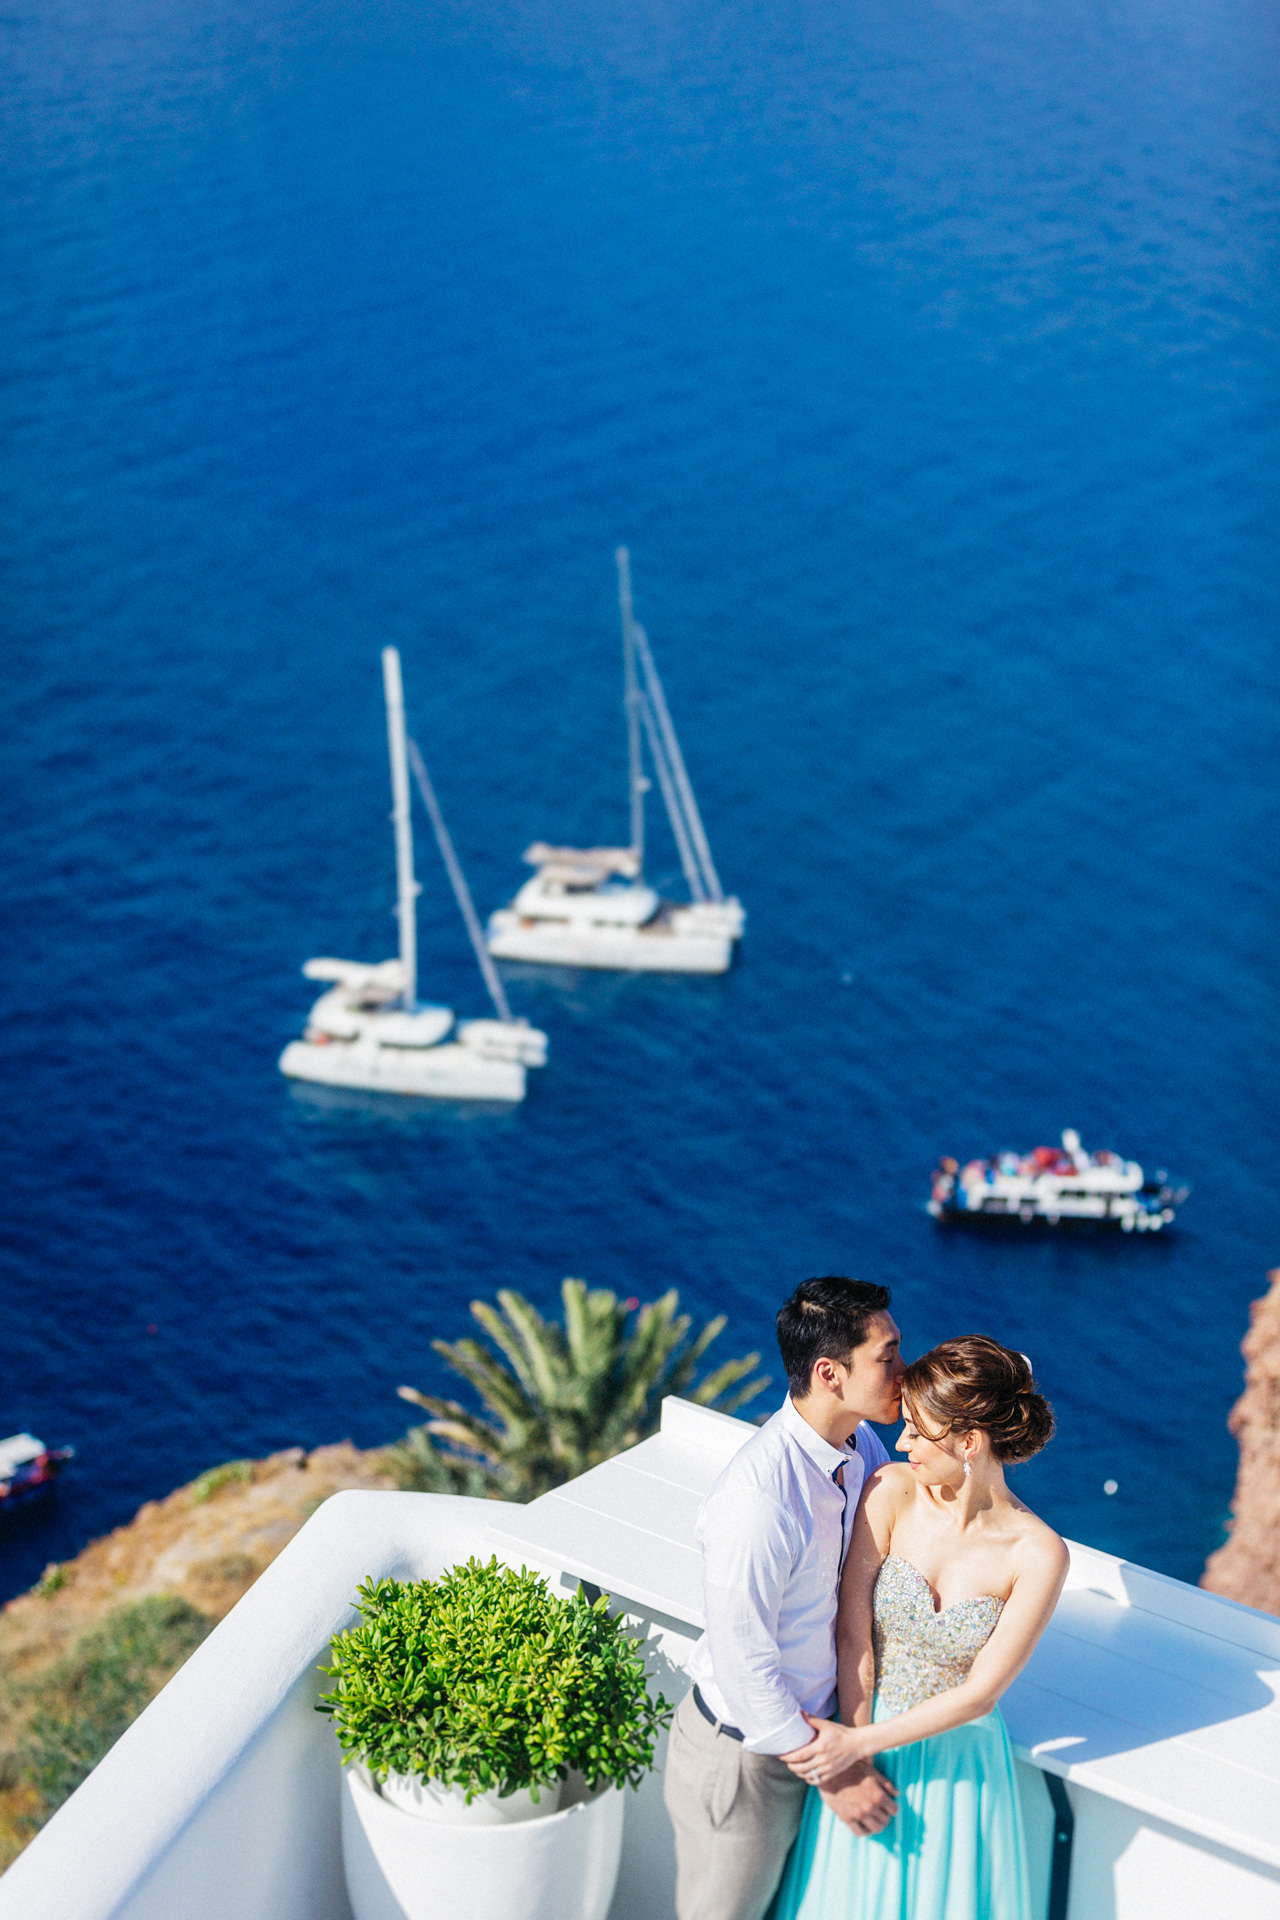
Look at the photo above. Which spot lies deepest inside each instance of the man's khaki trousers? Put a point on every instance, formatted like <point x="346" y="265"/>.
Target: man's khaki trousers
<point x="735" y="1815"/>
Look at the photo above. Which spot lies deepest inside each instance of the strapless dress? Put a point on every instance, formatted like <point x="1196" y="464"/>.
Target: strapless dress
<point x="955" y="1850"/>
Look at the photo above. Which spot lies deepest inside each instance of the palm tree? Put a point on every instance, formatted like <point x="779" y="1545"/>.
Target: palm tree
<point x="566" y="1398"/>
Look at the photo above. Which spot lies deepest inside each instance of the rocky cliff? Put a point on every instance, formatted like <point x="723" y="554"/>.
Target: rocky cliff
<point x="1247" y="1568"/>
<point x="83" y="1652"/>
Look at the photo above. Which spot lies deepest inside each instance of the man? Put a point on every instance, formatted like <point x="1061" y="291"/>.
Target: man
<point x="774" y="1531"/>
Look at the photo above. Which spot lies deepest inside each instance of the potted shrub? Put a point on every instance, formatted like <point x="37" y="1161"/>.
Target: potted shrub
<point x="488" y="1727"/>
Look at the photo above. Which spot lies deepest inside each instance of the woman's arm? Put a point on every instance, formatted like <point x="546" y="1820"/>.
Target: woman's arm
<point x="1026" y="1615"/>
<point x="868" y="1546"/>
<point x="883" y="1498"/>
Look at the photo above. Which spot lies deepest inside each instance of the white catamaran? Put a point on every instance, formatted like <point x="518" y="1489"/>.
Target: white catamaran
<point x="590" y="906"/>
<point x="370" y="1030"/>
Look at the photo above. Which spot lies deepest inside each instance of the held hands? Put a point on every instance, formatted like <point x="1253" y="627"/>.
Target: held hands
<point x="832" y="1752"/>
<point x="865" y="1801"/>
<point x="836" y="1762"/>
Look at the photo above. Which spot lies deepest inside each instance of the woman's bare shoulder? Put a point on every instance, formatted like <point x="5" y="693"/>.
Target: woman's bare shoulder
<point x="889" y="1487"/>
<point x="1039" y="1550"/>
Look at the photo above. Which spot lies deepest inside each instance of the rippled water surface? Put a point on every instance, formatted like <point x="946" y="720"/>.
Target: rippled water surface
<point x="923" y="356"/>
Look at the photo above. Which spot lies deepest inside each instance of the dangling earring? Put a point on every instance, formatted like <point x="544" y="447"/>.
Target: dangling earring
<point x="967" y="1469"/>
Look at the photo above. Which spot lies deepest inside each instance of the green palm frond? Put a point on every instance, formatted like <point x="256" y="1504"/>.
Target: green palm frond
<point x="543" y="1344"/>
<point x="714" y="1390"/>
<point x="560" y="1399"/>
<point x="500" y="1391"/>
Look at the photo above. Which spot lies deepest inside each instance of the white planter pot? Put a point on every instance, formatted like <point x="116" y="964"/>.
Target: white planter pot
<point x="428" y="1800"/>
<point x="399" y="1866"/>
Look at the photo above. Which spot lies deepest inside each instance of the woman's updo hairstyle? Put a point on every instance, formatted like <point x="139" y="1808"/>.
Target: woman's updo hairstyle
<point x="975" y="1383"/>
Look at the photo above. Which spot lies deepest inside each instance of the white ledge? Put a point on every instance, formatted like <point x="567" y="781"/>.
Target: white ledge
<point x="1156" y="1702"/>
<point x="1146" y="1690"/>
<point x="104" y="1852"/>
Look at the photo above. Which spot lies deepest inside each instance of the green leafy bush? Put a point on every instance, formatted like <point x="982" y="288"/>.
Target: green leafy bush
<point x="85" y="1702"/>
<point x="486" y="1679"/>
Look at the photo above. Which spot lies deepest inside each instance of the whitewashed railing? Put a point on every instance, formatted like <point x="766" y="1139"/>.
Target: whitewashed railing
<point x="1153" y="1702"/>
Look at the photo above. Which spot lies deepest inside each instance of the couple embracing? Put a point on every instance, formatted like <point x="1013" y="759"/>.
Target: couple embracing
<point x="841" y="1752"/>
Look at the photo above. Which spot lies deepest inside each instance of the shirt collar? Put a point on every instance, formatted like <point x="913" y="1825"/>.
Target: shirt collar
<point x="820" y="1451"/>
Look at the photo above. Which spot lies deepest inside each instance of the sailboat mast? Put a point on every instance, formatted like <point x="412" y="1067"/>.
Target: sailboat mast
<point x="631" y="696"/>
<point x="406" y="885"/>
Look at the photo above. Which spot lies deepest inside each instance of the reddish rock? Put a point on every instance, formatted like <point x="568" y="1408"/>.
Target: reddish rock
<point x="1247" y="1568"/>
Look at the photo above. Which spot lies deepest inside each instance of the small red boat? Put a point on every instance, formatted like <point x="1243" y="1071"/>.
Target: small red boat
<point x="28" y="1470"/>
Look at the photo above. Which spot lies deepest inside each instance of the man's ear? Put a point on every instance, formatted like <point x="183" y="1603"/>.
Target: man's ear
<point x="824" y="1375"/>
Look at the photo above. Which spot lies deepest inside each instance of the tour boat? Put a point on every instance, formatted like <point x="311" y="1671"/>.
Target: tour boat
<point x="1055" y="1185"/>
<point x="591" y="906"/>
<point x="369" y="1030"/>
<point x="28" y="1470"/>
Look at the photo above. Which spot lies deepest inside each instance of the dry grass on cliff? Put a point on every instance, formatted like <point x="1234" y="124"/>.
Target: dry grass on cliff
<point x="84" y="1651"/>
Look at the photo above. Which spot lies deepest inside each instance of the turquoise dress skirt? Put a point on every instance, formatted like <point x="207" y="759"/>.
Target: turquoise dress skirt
<point x="954" y="1851"/>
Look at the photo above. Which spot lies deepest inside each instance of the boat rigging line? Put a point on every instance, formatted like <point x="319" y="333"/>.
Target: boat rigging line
<point x="648" y="706"/>
<point x="458" y="879"/>
<point x="710" y="880"/>
<point x="684" y="846"/>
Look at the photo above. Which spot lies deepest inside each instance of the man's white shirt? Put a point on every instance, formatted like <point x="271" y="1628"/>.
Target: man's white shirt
<point x="774" y="1531"/>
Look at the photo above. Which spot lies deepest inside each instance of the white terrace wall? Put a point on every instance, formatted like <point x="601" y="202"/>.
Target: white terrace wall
<point x="221" y="1801"/>
<point x="1155" y="1702"/>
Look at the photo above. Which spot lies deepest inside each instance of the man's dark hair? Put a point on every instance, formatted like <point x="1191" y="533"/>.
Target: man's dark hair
<point x="825" y="1320"/>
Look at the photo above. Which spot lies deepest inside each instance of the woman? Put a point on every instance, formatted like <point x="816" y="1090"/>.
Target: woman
<point x="949" y="1583"/>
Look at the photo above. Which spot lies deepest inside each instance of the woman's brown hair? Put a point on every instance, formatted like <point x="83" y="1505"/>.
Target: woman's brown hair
<point x="975" y="1383"/>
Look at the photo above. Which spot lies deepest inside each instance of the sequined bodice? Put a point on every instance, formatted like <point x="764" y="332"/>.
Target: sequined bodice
<point x="920" y="1652"/>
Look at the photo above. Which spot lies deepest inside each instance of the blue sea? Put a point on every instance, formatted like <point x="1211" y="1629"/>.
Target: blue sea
<point x="925" y="358"/>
